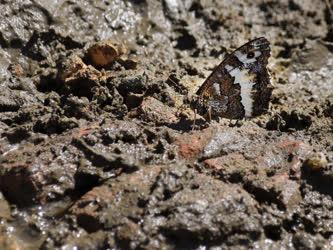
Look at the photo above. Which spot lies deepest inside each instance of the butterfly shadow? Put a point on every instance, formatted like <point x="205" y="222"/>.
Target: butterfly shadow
<point x="186" y="125"/>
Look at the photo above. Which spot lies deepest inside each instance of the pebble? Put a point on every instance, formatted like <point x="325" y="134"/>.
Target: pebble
<point x="316" y="162"/>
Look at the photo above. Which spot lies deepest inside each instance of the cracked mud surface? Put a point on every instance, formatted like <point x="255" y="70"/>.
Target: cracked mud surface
<point x="97" y="149"/>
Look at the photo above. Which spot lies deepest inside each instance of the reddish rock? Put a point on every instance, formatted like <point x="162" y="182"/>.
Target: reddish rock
<point x="262" y="163"/>
<point x="215" y="141"/>
<point x="290" y="145"/>
<point x="82" y="131"/>
<point x="190" y="146"/>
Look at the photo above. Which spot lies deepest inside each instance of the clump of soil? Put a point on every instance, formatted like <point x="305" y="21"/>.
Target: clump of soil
<point x="97" y="149"/>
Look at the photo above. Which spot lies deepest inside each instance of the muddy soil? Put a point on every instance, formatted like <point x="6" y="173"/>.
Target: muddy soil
<point x="97" y="149"/>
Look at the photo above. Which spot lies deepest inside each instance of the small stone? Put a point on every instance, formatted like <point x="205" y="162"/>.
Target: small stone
<point x="104" y="53"/>
<point x="70" y="67"/>
<point x="78" y="77"/>
<point x="316" y="162"/>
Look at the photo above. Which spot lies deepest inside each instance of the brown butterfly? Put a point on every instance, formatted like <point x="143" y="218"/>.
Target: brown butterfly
<point x="240" y="86"/>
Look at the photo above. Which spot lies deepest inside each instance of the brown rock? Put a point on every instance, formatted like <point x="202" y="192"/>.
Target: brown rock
<point x="105" y="52"/>
<point x="108" y="205"/>
<point x="26" y="179"/>
<point x="79" y="77"/>
<point x="75" y="69"/>
<point x="198" y="206"/>
<point x="87" y="209"/>
<point x="266" y="175"/>
<point x="70" y="68"/>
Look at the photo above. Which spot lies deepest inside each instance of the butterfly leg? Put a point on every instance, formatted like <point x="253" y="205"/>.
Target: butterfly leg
<point x="210" y="114"/>
<point x="194" y="119"/>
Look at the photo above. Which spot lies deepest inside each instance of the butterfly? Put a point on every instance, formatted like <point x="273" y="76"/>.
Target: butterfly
<point x="239" y="87"/>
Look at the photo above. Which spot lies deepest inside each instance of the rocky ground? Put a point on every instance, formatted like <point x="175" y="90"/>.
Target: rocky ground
<point x="96" y="143"/>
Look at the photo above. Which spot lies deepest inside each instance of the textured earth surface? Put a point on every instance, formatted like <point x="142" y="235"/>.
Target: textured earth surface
<point x="97" y="149"/>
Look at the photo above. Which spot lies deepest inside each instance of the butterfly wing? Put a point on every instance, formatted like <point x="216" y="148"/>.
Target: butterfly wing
<point x="240" y="86"/>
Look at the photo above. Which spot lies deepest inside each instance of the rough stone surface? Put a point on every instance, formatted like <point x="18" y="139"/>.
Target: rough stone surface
<point x="108" y="153"/>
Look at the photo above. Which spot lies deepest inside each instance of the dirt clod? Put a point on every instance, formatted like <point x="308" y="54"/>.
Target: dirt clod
<point x="101" y="146"/>
<point x="105" y="52"/>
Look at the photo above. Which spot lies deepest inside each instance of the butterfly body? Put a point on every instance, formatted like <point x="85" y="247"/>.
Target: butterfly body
<point x="240" y="86"/>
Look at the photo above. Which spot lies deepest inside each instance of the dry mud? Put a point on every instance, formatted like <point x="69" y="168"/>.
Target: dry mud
<point x="101" y="155"/>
